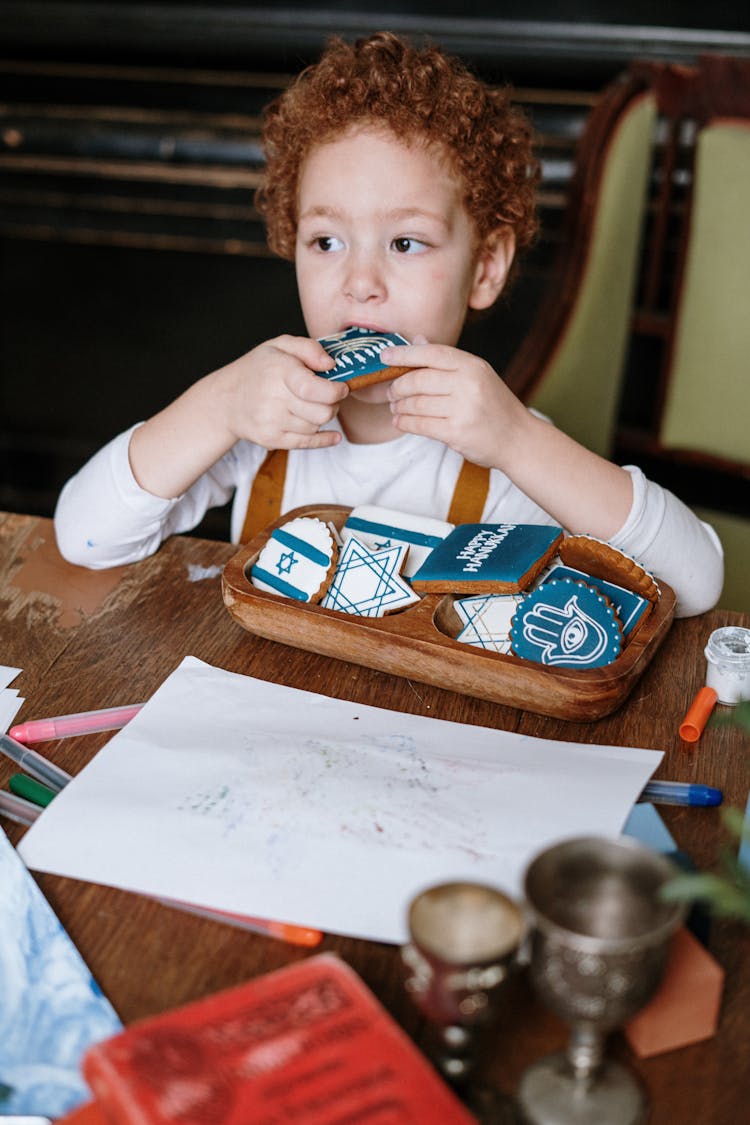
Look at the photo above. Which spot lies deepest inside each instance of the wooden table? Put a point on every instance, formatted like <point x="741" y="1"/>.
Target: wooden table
<point x="86" y="640"/>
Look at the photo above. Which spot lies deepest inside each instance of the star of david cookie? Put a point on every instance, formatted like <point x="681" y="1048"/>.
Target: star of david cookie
<point x="297" y="561"/>
<point x="486" y="620"/>
<point x="357" y="355"/>
<point x="566" y="625"/>
<point x="598" y="559"/>
<point x="368" y="583"/>
<point x="488" y="558"/>
<point x="378" y="528"/>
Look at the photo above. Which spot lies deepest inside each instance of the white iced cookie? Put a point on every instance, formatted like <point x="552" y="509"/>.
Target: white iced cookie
<point x="298" y="560"/>
<point x="378" y="528"/>
<point x="369" y="583"/>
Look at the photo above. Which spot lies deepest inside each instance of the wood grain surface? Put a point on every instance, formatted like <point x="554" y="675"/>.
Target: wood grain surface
<point x="86" y="640"/>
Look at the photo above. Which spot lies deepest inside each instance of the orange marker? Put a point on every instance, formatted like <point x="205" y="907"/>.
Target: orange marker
<point x="697" y="715"/>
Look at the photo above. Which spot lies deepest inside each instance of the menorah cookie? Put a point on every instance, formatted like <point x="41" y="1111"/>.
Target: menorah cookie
<point x="600" y="560"/>
<point x="379" y="528"/>
<point x="566" y="625"/>
<point x="369" y="583"/>
<point x="298" y="560"/>
<point x="488" y="558"/>
<point x="357" y="355"/>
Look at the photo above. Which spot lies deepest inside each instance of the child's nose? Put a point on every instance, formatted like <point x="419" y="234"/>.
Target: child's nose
<point x="364" y="280"/>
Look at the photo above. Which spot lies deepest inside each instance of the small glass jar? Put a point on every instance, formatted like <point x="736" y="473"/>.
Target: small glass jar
<point x="728" y="663"/>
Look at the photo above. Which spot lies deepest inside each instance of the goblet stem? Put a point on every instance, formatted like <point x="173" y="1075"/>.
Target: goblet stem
<point x="585" y="1051"/>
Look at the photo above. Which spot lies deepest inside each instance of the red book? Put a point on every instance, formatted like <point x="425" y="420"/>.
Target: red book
<point x="307" y="1044"/>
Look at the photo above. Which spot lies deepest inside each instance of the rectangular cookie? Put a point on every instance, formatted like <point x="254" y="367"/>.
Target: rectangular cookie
<point x="488" y="558"/>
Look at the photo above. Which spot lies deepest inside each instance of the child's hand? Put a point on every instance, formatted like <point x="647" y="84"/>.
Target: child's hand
<point x="456" y="398"/>
<point x="275" y="399"/>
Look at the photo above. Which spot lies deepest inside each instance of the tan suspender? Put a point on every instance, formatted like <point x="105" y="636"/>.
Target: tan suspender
<point x="264" y="503"/>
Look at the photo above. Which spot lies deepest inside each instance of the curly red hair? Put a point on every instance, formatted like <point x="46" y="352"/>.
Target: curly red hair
<point x="416" y="94"/>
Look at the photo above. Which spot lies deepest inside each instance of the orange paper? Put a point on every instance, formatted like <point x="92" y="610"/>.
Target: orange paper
<point x="685" y="1009"/>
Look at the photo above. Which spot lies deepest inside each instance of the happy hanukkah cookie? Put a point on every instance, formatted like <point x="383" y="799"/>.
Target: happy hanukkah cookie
<point x="298" y="560"/>
<point x="488" y="558"/>
<point x="598" y="559"/>
<point x="632" y="609"/>
<point x="567" y="625"/>
<point x="369" y="583"/>
<point x="379" y="528"/>
<point x="486" y="620"/>
<point x="357" y="355"/>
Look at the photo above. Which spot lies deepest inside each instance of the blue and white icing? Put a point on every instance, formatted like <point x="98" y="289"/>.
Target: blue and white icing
<point x="629" y="606"/>
<point x="357" y="352"/>
<point x="368" y="583"/>
<point x="296" y="560"/>
<point x="566" y="625"/>
<point x="486" y="620"/>
<point x="51" y="1008"/>
<point x="498" y="553"/>
<point x="378" y="528"/>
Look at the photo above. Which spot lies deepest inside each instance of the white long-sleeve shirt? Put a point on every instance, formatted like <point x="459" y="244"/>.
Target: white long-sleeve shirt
<point x="104" y="518"/>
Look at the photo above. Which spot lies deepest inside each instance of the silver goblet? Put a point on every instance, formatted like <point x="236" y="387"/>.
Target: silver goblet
<point x="464" y="939"/>
<point x="599" y="944"/>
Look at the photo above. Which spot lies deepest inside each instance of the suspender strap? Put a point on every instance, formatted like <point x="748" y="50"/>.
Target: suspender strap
<point x="264" y="503"/>
<point x="470" y="494"/>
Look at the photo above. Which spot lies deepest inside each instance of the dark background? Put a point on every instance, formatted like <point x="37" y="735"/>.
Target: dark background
<point x="118" y="291"/>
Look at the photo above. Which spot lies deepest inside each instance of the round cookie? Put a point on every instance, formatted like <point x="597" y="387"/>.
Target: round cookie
<point x="298" y="560"/>
<point x="566" y="625"/>
<point x="597" y="558"/>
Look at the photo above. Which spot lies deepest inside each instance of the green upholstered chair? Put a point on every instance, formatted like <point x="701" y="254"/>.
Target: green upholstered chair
<point x="694" y="303"/>
<point x="570" y="363"/>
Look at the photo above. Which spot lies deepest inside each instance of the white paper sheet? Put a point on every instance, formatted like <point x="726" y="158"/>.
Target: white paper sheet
<point x="251" y="797"/>
<point x="10" y="701"/>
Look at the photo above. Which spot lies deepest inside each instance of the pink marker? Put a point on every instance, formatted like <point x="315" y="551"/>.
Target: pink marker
<point x="65" y="726"/>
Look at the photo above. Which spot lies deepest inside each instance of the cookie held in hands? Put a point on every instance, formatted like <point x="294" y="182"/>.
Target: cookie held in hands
<point x="357" y="355"/>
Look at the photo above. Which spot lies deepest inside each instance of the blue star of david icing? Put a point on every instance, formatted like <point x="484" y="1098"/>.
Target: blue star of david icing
<point x="368" y="583"/>
<point x="486" y="620"/>
<point x="296" y="561"/>
<point x="379" y="528"/>
<point x="357" y="352"/>
<point x="286" y="562"/>
<point x="568" y="625"/>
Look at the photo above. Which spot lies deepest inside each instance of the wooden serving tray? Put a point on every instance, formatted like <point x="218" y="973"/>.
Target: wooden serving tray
<point x="419" y="642"/>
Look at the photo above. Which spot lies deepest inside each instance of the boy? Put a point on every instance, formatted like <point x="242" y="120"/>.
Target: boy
<point x="402" y="187"/>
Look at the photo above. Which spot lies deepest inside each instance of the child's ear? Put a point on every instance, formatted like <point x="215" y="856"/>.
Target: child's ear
<point x="494" y="260"/>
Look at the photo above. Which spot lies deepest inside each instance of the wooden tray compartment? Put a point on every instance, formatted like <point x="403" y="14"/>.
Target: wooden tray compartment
<point x="419" y="642"/>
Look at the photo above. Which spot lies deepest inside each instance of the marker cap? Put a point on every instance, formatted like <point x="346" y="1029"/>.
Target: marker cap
<point x="697" y="715"/>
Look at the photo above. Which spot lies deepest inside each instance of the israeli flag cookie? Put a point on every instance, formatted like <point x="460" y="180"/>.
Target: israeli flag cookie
<point x="486" y="620"/>
<point x="488" y="558"/>
<point x="379" y="528"/>
<point x="566" y="625"/>
<point x="369" y="583"/>
<point x="357" y="355"/>
<point x="297" y="561"/>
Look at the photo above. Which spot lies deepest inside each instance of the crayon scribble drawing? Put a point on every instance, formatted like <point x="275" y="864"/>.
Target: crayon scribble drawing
<point x="379" y="790"/>
<point x="51" y="1009"/>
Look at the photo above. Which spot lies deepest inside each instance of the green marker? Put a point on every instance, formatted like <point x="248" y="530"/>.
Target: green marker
<point x="32" y="790"/>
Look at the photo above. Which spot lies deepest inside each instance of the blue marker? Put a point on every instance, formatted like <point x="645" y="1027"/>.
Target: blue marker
<point x="681" y="793"/>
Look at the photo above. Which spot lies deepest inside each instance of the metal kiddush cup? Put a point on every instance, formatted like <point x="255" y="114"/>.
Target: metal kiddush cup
<point x="464" y="940"/>
<point x="599" y="944"/>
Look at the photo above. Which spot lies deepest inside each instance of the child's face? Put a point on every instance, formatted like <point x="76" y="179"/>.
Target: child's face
<point x="384" y="241"/>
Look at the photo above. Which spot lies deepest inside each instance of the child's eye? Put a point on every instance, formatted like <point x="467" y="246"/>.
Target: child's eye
<point x="406" y="245"/>
<point x="327" y="242"/>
